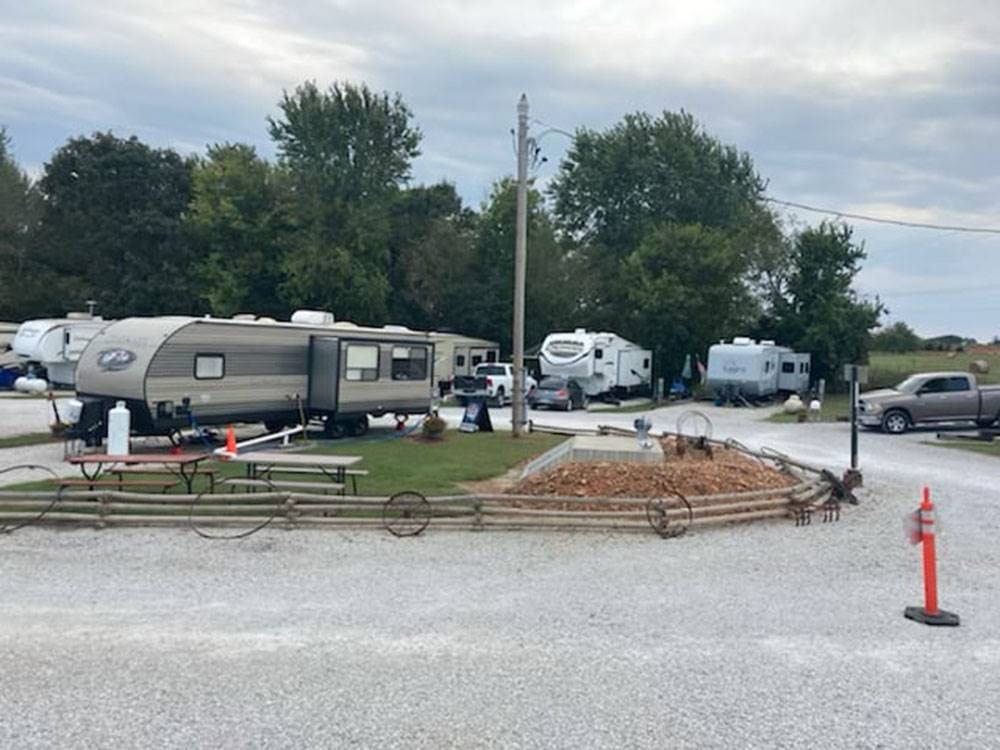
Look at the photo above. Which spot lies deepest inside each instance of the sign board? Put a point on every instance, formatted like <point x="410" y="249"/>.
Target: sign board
<point x="856" y="372"/>
<point x="476" y="418"/>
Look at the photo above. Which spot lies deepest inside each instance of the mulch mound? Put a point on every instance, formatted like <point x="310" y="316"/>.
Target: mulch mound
<point x="690" y="471"/>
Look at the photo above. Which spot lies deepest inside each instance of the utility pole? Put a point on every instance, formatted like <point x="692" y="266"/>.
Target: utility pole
<point x="520" y="254"/>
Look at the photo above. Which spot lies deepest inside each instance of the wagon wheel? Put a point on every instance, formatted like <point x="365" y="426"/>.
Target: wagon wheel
<point x="662" y="516"/>
<point x="53" y="477"/>
<point x="700" y="424"/>
<point x="406" y="514"/>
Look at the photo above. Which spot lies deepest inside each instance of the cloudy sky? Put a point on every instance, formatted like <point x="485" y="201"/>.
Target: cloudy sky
<point x="888" y="108"/>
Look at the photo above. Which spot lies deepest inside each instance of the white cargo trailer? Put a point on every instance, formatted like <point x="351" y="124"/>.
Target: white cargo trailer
<point x="602" y="363"/>
<point x="750" y="369"/>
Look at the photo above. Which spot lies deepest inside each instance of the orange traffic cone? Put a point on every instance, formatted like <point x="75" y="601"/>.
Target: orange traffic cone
<point x="231" y="441"/>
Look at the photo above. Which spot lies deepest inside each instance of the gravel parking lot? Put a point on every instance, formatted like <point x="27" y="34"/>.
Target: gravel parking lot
<point x="759" y="635"/>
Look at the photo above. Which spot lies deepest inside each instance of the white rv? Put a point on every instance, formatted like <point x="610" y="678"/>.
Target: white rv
<point x="455" y="354"/>
<point x="755" y="369"/>
<point x="55" y="344"/>
<point x="7" y="332"/>
<point x="178" y="372"/>
<point x="602" y="363"/>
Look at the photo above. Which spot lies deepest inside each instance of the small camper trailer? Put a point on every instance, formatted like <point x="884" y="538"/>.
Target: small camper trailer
<point x="752" y="369"/>
<point x="455" y="354"/>
<point x="177" y="372"/>
<point x="602" y="363"/>
<point x="54" y="345"/>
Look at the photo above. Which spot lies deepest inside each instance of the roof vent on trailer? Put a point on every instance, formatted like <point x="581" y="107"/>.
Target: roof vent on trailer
<point x="313" y="317"/>
<point x="742" y="341"/>
<point x="767" y="342"/>
<point x="244" y="316"/>
<point x="580" y="331"/>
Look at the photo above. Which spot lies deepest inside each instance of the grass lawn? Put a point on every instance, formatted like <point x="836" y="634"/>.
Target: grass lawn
<point x="889" y="368"/>
<point x="32" y="438"/>
<point x="836" y="408"/>
<point x="431" y="468"/>
<point x="987" y="449"/>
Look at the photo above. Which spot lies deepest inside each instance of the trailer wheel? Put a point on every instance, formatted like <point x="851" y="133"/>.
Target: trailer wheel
<point x="333" y="430"/>
<point x="357" y="427"/>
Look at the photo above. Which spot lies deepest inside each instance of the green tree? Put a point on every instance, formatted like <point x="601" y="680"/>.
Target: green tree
<point x="898" y="337"/>
<point x="347" y="151"/>
<point x="487" y="294"/>
<point x="236" y="220"/>
<point x="112" y="224"/>
<point x="684" y="292"/>
<point x="815" y="309"/>
<point x="26" y="283"/>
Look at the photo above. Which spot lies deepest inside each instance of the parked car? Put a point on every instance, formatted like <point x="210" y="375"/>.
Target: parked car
<point x="927" y="398"/>
<point x="493" y="381"/>
<point x="558" y="393"/>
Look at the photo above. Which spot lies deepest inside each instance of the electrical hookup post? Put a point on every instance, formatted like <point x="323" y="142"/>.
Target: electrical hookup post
<point x="920" y="530"/>
<point x="856" y="376"/>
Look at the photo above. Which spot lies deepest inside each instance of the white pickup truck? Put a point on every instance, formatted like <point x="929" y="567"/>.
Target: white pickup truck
<point x="493" y="381"/>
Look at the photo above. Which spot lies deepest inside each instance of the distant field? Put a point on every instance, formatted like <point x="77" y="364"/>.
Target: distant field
<point x="888" y="368"/>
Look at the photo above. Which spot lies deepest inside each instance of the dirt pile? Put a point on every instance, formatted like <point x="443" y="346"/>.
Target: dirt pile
<point x="690" y="471"/>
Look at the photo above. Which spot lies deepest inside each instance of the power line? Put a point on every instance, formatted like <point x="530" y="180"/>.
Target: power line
<point x="881" y="220"/>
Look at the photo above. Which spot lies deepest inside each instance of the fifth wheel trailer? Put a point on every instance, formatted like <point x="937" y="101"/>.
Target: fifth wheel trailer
<point x="455" y="354"/>
<point x="178" y="372"/>
<point x="602" y="363"/>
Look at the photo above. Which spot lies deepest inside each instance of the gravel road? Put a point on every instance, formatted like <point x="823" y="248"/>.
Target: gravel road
<point x="761" y="635"/>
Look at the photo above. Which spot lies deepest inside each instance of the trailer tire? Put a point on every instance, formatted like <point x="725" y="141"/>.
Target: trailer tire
<point x="272" y="426"/>
<point x="333" y="430"/>
<point x="358" y="427"/>
<point x="895" y="422"/>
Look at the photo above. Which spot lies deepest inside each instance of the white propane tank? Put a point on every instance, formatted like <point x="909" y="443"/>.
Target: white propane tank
<point x="815" y="407"/>
<point x="119" y="420"/>
<point x="793" y="404"/>
<point x="37" y="385"/>
<point x="21" y="384"/>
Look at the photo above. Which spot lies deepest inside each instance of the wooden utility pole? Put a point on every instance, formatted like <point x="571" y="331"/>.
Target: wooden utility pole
<point x="520" y="255"/>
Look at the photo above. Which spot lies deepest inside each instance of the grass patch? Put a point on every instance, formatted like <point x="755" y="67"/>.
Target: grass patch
<point x="32" y="438"/>
<point x="889" y="368"/>
<point x="986" y="449"/>
<point x="836" y="408"/>
<point x="393" y="465"/>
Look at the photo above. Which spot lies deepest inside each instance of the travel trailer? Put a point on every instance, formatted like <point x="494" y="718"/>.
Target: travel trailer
<point x="178" y="372"/>
<point x="752" y="369"/>
<point x="50" y="347"/>
<point x="7" y="332"/>
<point x="455" y="354"/>
<point x="604" y="364"/>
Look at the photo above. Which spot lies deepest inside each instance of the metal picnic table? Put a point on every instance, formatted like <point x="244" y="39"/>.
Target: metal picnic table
<point x="181" y="461"/>
<point x="260" y="463"/>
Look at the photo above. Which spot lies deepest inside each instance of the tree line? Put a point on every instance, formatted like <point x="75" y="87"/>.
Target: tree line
<point x="652" y="228"/>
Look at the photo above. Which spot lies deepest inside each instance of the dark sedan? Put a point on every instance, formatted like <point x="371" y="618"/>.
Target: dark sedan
<point x="558" y="393"/>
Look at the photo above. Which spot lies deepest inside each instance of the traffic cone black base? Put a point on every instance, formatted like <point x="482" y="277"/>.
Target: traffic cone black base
<point x="919" y="614"/>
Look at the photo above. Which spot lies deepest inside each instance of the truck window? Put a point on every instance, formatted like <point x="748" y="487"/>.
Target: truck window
<point x="788" y="367"/>
<point x="409" y="363"/>
<point x="490" y="370"/>
<point x="958" y="384"/>
<point x="362" y="362"/>
<point x="935" y="385"/>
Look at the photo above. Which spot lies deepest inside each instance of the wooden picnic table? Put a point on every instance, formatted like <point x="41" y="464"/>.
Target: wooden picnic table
<point x="185" y="463"/>
<point x="260" y="463"/>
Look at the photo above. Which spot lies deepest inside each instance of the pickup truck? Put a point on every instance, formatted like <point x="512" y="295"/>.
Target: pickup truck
<point x="493" y="381"/>
<point x="927" y="398"/>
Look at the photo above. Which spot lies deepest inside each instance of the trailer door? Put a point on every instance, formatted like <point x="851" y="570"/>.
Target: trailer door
<point x="324" y="368"/>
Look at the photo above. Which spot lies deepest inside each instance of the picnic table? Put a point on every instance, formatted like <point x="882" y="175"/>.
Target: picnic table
<point x="261" y="464"/>
<point x="186" y="464"/>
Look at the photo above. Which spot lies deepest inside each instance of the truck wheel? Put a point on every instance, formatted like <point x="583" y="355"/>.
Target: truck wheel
<point x="895" y="422"/>
<point x="499" y="397"/>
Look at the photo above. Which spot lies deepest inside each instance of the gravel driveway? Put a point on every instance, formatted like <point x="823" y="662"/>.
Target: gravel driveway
<point x="760" y="635"/>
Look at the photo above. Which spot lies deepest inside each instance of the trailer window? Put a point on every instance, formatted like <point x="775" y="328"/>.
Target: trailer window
<point x="788" y="367"/>
<point x="645" y="364"/>
<point x="459" y="360"/>
<point x="803" y="367"/>
<point x="476" y="359"/>
<point x="209" y="366"/>
<point x="491" y="356"/>
<point x="598" y="354"/>
<point x="362" y="362"/>
<point x="409" y="363"/>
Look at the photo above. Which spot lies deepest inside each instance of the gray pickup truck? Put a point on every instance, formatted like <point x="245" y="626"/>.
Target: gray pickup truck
<point x="927" y="398"/>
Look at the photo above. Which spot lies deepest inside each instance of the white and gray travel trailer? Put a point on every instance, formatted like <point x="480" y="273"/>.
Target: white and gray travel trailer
<point x="455" y="354"/>
<point x="602" y="363"/>
<point x="755" y="369"/>
<point x="54" y="345"/>
<point x="7" y="333"/>
<point x="177" y="372"/>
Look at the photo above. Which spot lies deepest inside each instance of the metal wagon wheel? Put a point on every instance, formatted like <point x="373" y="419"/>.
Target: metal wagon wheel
<point x="700" y="424"/>
<point x="406" y="514"/>
<point x="7" y="529"/>
<point x="275" y="512"/>
<point x="661" y="515"/>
